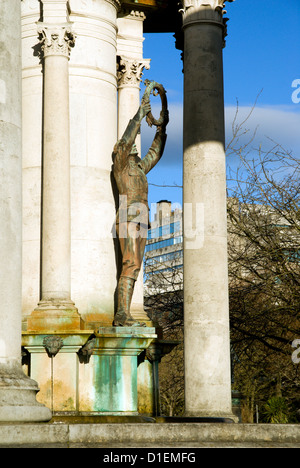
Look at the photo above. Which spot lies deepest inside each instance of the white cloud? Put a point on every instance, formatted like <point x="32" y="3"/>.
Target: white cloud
<point x="278" y="123"/>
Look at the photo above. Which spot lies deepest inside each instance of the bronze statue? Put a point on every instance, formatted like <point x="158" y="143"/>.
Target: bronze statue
<point x="133" y="214"/>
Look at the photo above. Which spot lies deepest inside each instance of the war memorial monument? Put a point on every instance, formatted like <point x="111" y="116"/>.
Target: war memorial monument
<point x="78" y="353"/>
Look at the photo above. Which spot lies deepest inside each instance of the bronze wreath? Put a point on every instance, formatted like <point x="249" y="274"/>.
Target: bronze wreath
<point x="155" y="88"/>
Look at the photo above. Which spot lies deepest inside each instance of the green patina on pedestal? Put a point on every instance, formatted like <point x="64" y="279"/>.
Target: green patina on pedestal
<point x="115" y="367"/>
<point x="91" y="372"/>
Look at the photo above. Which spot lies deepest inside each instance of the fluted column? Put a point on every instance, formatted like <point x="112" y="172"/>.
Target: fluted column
<point x="55" y="311"/>
<point x="206" y="310"/>
<point x="131" y="65"/>
<point x="17" y="391"/>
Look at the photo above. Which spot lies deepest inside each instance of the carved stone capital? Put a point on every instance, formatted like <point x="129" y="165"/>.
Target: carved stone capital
<point x="189" y="6"/>
<point x="130" y="71"/>
<point x="56" y="39"/>
<point x="205" y="11"/>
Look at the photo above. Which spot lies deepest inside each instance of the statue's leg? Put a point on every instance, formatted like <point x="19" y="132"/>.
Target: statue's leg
<point x="131" y="264"/>
<point x="125" y="291"/>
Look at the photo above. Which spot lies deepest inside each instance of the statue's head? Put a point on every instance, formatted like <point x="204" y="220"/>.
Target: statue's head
<point x="134" y="155"/>
<point x="134" y="151"/>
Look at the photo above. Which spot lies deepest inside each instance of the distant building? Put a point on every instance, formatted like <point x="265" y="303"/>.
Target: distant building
<point x="163" y="269"/>
<point x="164" y="250"/>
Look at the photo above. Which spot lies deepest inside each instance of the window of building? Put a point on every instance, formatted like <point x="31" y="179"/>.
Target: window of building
<point x="164" y="243"/>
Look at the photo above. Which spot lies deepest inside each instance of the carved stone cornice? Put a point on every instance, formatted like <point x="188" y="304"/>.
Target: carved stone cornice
<point x="56" y="39"/>
<point x="130" y="71"/>
<point x="128" y="12"/>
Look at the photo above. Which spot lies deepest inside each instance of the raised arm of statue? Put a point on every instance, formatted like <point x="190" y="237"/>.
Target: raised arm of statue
<point x="123" y="147"/>
<point x="156" y="150"/>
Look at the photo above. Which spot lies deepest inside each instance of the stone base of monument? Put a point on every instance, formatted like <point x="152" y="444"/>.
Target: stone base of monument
<point x="88" y="372"/>
<point x="18" y="396"/>
<point x="129" y="436"/>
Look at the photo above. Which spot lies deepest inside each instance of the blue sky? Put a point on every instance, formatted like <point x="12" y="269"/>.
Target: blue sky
<point x="262" y="53"/>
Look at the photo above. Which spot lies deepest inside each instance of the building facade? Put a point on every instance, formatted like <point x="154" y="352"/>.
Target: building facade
<point x="164" y="250"/>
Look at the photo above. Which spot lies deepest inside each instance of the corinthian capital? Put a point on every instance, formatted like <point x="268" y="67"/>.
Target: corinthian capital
<point x="56" y="39"/>
<point x="130" y="71"/>
<point x="189" y="6"/>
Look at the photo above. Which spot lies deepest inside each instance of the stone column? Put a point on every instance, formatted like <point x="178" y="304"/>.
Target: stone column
<point x="32" y="90"/>
<point x="17" y="392"/>
<point x="130" y="71"/>
<point x="206" y="310"/>
<point x="55" y="311"/>
<point x="93" y="125"/>
<point x="129" y="79"/>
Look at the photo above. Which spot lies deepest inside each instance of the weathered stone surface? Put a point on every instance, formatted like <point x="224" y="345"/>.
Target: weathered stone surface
<point x="206" y="305"/>
<point x="17" y="392"/>
<point x="171" y="435"/>
<point x="88" y="372"/>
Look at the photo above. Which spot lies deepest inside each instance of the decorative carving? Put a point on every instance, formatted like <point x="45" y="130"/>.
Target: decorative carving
<point x="88" y="348"/>
<point x="129" y="12"/>
<point x="195" y="4"/>
<point x="130" y="71"/>
<point x="189" y="7"/>
<point x="56" y="39"/>
<point x="52" y="344"/>
<point x="153" y="354"/>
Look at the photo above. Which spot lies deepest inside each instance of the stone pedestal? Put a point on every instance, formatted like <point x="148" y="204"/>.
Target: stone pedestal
<point x="88" y="373"/>
<point x="206" y="308"/>
<point x="17" y="392"/>
<point x="148" y="376"/>
<point x="52" y="360"/>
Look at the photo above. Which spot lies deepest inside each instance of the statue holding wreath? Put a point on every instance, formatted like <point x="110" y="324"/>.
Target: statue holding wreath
<point x="133" y="214"/>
